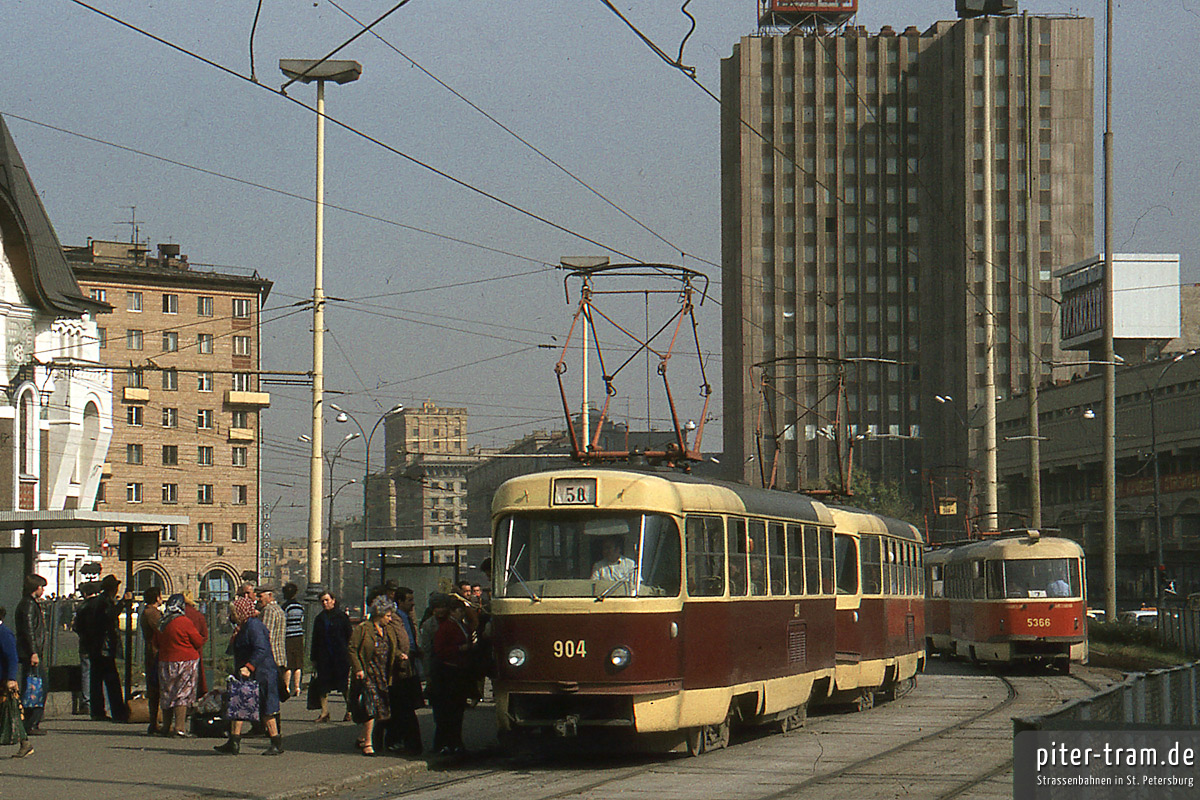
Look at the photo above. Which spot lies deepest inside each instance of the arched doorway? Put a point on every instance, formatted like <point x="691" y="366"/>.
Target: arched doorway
<point x="150" y="575"/>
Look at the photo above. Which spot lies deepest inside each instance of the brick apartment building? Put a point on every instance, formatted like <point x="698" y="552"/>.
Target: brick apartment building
<point x="184" y="347"/>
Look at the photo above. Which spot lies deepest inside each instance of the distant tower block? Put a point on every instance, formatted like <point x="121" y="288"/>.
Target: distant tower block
<point x="980" y="8"/>
<point x="815" y="13"/>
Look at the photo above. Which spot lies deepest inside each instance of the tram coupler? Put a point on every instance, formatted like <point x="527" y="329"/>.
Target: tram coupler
<point x="568" y="726"/>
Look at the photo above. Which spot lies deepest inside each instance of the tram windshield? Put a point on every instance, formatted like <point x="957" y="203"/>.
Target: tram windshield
<point x="587" y="555"/>
<point x="1036" y="577"/>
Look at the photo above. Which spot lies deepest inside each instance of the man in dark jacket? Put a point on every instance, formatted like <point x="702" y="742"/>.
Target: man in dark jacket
<point x="99" y="634"/>
<point x="31" y="645"/>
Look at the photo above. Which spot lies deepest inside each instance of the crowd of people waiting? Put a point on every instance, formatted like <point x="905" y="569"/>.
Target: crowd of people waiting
<point x="386" y="667"/>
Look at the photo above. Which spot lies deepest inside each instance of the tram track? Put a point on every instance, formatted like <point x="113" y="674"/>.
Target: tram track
<point x="765" y="766"/>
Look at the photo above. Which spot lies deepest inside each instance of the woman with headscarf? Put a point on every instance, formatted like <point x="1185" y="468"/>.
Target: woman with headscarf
<point x="330" y="654"/>
<point x="179" y="646"/>
<point x="374" y="650"/>
<point x="252" y="658"/>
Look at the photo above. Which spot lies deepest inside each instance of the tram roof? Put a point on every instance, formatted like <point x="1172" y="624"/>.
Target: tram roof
<point x="1019" y="547"/>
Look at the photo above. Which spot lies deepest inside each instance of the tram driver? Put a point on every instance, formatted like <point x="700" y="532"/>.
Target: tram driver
<point x="613" y="565"/>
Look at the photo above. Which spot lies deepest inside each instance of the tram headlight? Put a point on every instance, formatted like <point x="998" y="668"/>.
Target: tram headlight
<point x="517" y="656"/>
<point x="619" y="657"/>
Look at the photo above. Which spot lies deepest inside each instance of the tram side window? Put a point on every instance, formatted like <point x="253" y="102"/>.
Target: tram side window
<point x="847" y="564"/>
<point x="795" y="558"/>
<point x="906" y="568"/>
<point x="826" y="537"/>
<point x="976" y="590"/>
<point x="812" y="560"/>
<point x="777" y="556"/>
<point x="995" y="581"/>
<point x="936" y="580"/>
<point x="756" y="552"/>
<point x="737" y="557"/>
<point x="919" y="562"/>
<point x="705" y="556"/>
<point x="872" y="577"/>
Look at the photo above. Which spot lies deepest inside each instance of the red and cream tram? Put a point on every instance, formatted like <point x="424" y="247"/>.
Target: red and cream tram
<point x="1015" y="598"/>
<point x="669" y="607"/>
<point x="937" y="605"/>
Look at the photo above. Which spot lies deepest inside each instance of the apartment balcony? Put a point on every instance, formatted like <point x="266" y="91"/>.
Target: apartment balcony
<point x="241" y="435"/>
<point x="135" y="395"/>
<point x="255" y="399"/>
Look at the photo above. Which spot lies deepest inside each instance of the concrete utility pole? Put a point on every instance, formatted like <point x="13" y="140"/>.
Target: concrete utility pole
<point x="1032" y="341"/>
<point x="991" y="500"/>
<point x="1110" y="369"/>
<point x="318" y="71"/>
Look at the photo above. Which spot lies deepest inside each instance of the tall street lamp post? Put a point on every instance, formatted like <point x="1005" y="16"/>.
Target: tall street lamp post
<point x="335" y="585"/>
<point x="1158" y="537"/>
<point x="331" y="462"/>
<point x="344" y="416"/>
<point x="318" y="71"/>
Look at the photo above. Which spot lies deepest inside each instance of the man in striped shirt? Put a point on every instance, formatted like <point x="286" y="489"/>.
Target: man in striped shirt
<point x="293" y="613"/>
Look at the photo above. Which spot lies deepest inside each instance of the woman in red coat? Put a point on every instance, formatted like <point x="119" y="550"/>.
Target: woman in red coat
<point x="179" y="644"/>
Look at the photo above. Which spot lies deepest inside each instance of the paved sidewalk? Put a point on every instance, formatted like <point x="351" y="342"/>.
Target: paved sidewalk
<point x="110" y="761"/>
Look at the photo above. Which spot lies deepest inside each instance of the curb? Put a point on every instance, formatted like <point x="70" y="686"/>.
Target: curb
<point x="402" y="770"/>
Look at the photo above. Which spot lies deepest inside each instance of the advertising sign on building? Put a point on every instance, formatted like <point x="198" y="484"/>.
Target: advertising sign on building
<point x="1145" y="299"/>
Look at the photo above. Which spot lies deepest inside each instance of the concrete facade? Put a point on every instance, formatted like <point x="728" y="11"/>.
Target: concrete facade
<point x="853" y="235"/>
<point x="183" y="345"/>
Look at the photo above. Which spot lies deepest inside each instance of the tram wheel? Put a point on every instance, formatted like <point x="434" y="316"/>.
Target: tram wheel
<point x="709" y="737"/>
<point x="794" y="719"/>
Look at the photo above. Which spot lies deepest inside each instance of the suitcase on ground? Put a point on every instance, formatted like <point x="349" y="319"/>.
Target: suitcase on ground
<point x="210" y="726"/>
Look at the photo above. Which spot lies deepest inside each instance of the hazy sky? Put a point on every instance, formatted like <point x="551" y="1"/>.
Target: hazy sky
<point x="570" y="78"/>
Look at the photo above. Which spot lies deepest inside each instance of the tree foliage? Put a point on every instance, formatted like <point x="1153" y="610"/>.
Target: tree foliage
<point x="880" y="496"/>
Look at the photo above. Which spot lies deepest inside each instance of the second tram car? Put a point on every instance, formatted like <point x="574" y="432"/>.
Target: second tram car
<point x="670" y="607"/>
<point x="1013" y="598"/>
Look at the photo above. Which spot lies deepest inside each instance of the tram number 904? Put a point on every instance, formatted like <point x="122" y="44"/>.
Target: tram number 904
<point x="1038" y="622"/>
<point x="565" y="648"/>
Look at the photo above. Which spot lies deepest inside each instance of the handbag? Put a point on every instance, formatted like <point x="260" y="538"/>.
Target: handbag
<point x="35" y="692"/>
<point x="12" y="728"/>
<point x="243" y="699"/>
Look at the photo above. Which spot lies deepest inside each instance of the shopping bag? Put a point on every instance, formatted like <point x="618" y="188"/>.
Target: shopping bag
<point x="12" y="728"/>
<point x="243" y="699"/>
<point x="35" y="692"/>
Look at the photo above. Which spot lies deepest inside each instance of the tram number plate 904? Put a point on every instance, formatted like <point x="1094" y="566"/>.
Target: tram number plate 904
<point x="575" y="492"/>
<point x="569" y="649"/>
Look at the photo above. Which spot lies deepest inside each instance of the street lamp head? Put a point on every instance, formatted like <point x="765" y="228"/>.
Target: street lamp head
<point x="1089" y="413"/>
<point x="342" y="417"/>
<point x="943" y="398"/>
<point x="336" y="407"/>
<point x="308" y="70"/>
<point x="351" y="436"/>
<point x="304" y="437"/>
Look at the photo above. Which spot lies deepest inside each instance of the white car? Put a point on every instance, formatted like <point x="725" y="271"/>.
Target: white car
<point x="1144" y="616"/>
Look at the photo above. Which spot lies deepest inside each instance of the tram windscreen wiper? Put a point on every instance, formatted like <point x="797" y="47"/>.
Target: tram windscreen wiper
<point x="616" y="583"/>
<point x="512" y="570"/>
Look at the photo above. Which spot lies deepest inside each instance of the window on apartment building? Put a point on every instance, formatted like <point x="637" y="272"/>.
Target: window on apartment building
<point x="204" y="308"/>
<point x="204" y="418"/>
<point x="170" y="493"/>
<point x="241" y="494"/>
<point x="133" y="301"/>
<point x="170" y="455"/>
<point x="240" y="531"/>
<point x="133" y="493"/>
<point x="204" y="532"/>
<point x="241" y="419"/>
<point x="241" y="345"/>
<point x="243" y="382"/>
<point x="204" y="455"/>
<point x="134" y="379"/>
<point x="102" y="337"/>
<point x="241" y="308"/>
<point x="204" y="343"/>
<point x="204" y="381"/>
<point x="170" y="417"/>
<point x="169" y="534"/>
<point x="133" y="339"/>
<point x="170" y="303"/>
<point x="170" y="341"/>
<point x="240" y="456"/>
<point x="98" y="294"/>
<point x="204" y="494"/>
<point x="102" y="493"/>
<point x="133" y="454"/>
<point x="133" y="416"/>
<point x="170" y="380"/>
